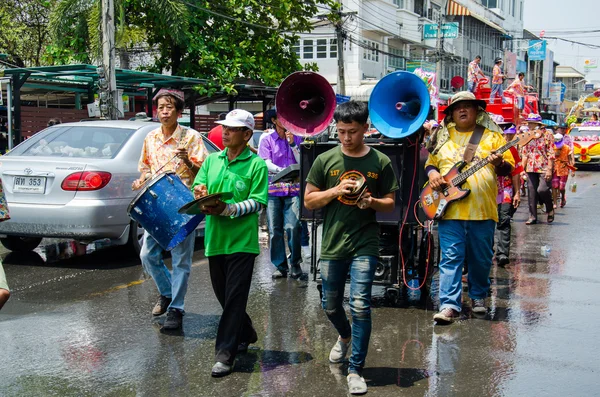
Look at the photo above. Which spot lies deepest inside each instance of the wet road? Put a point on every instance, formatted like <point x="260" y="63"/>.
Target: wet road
<point x="82" y="327"/>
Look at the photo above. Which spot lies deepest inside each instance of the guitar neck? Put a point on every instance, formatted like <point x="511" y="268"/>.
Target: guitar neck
<point x="459" y="179"/>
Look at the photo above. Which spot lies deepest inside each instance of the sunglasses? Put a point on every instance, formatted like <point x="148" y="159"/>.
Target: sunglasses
<point x="235" y="129"/>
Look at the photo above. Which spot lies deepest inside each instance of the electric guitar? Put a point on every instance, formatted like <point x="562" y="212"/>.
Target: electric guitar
<point x="435" y="203"/>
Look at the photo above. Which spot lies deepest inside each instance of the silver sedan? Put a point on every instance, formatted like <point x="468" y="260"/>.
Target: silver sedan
<point x="74" y="181"/>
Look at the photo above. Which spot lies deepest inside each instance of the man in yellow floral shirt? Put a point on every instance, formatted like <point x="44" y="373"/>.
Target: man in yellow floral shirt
<point x="170" y="148"/>
<point x="466" y="230"/>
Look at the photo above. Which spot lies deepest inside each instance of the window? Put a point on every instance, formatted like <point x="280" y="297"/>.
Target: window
<point x="395" y="60"/>
<point x="307" y="49"/>
<point x="399" y="3"/>
<point x="521" y="12"/>
<point x="370" y="50"/>
<point x="512" y="11"/>
<point x="332" y="48"/>
<point x="321" y="48"/>
<point x="84" y="141"/>
<point x="296" y="48"/>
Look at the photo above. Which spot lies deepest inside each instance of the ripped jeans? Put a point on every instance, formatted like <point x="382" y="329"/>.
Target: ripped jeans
<point x="333" y="275"/>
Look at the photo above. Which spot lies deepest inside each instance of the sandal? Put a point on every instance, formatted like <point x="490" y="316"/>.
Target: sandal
<point x="563" y="203"/>
<point x="531" y="221"/>
<point x="551" y="216"/>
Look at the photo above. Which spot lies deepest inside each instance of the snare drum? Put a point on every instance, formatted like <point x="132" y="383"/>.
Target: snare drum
<point x="155" y="208"/>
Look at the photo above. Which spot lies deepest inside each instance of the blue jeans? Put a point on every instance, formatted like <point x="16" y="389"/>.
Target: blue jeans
<point x="305" y="238"/>
<point x="174" y="285"/>
<point x="497" y="88"/>
<point x="460" y="241"/>
<point x="471" y="86"/>
<point x="362" y="273"/>
<point x="283" y="214"/>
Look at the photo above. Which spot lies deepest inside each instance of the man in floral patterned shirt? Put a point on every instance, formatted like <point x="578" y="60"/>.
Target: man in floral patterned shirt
<point x="170" y="148"/>
<point x="538" y="161"/>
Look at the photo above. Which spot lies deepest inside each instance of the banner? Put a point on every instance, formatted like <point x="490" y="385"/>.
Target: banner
<point x="537" y="50"/>
<point x="510" y="64"/>
<point x="555" y="93"/>
<point x="590" y="64"/>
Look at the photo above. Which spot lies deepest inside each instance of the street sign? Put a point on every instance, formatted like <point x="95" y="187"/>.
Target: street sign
<point x="341" y="98"/>
<point x="449" y="30"/>
<point x="537" y="50"/>
<point x="588" y="87"/>
<point x="590" y="64"/>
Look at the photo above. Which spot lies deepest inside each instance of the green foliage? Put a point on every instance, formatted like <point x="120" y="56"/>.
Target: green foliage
<point x="24" y="30"/>
<point x="225" y="42"/>
<point x="226" y="51"/>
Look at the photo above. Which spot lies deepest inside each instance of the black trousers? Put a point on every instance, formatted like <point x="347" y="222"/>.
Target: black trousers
<point x="231" y="276"/>
<point x="505" y="212"/>
<point x="537" y="185"/>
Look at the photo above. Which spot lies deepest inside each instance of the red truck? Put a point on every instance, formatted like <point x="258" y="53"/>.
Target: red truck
<point x="515" y="109"/>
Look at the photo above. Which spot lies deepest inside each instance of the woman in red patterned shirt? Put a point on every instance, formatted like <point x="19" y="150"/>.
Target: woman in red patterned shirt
<point x="538" y="161"/>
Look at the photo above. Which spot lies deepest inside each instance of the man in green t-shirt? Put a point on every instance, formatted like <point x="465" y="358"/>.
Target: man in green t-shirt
<point x="351" y="182"/>
<point x="231" y="233"/>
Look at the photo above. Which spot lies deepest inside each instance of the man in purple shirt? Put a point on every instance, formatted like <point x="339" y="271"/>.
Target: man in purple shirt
<point x="280" y="149"/>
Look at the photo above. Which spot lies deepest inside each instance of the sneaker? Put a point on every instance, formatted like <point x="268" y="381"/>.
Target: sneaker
<point x="221" y="369"/>
<point x="306" y="253"/>
<point x="356" y="384"/>
<point x="478" y="306"/>
<point x="446" y="316"/>
<point x="338" y="351"/>
<point x="296" y="272"/>
<point x="161" y="306"/>
<point x="279" y="274"/>
<point x="174" y="319"/>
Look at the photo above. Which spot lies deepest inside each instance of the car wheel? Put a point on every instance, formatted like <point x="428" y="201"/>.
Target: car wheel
<point x="136" y="234"/>
<point x="21" y="244"/>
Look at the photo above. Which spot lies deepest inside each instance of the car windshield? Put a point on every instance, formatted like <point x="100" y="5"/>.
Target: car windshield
<point x="70" y="141"/>
<point x="587" y="132"/>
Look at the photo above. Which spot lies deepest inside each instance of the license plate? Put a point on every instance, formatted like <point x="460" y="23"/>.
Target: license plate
<point x="30" y="184"/>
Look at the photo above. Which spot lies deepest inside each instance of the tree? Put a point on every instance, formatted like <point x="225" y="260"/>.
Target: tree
<point x="76" y="26"/>
<point x="233" y="40"/>
<point x="24" y="30"/>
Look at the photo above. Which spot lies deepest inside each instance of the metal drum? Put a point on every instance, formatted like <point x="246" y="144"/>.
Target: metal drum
<point x="155" y="208"/>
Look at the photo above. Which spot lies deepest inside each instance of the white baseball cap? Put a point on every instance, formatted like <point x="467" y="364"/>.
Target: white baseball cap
<point x="238" y="118"/>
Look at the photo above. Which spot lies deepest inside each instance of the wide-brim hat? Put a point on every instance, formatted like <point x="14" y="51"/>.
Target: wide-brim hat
<point x="464" y="96"/>
<point x="499" y="119"/>
<point x="511" y="130"/>
<point x="558" y="140"/>
<point x="534" y="118"/>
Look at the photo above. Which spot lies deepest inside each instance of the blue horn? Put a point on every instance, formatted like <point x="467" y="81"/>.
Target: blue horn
<point x="399" y="104"/>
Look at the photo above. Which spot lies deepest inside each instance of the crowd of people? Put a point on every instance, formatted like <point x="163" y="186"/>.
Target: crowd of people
<point x="466" y="231"/>
<point x="351" y="182"/>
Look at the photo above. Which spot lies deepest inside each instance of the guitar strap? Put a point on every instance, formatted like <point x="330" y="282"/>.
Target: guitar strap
<point x="473" y="143"/>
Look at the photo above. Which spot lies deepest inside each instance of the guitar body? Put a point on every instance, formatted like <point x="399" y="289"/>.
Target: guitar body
<point x="434" y="203"/>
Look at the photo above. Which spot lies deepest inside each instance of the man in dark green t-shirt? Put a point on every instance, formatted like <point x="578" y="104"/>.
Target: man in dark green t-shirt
<point x="351" y="182"/>
<point x="231" y="234"/>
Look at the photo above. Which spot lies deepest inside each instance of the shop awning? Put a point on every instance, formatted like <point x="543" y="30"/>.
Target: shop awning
<point x="457" y="9"/>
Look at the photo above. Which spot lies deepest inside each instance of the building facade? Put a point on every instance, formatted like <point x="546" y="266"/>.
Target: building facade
<point x="382" y="36"/>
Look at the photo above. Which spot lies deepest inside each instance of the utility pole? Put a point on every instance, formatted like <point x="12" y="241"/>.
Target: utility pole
<point x="340" y="52"/>
<point x="109" y="105"/>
